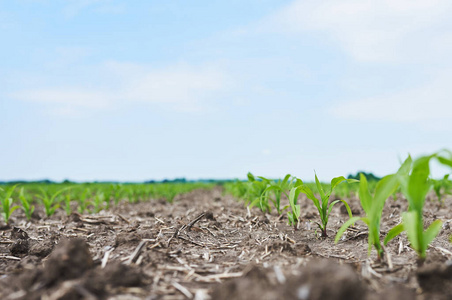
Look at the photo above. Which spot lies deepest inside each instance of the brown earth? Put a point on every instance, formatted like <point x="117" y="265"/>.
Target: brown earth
<point x="156" y="250"/>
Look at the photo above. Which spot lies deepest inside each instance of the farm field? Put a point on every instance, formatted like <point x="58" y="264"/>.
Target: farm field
<point x="228" y="254"/>
<point x="260" y="239"/>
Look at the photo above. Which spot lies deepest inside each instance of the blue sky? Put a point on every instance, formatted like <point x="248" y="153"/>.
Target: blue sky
<point x="138" y="90"/>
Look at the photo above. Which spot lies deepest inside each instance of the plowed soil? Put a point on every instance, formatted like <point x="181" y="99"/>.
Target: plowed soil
<point x="207" y="245"/>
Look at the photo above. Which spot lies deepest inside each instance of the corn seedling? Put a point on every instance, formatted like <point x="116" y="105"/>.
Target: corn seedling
<point x="324" y="208"/>
<point x="67" y="204"/>
<point x="26" y="204"/>
<point x="7" y="203"/>
<point x="98" y="201"/>
<point x="441" y="187"/>
<point x="415" y="187"/>
<point x="294" y="214"/>
<point x="107" y="195"/>
<point x="256" y="194"/>
<point x="82" y="201"/>
<point x="50" y="201"/>
<point x="373" y="207"/>
<point x="277" y="189"/>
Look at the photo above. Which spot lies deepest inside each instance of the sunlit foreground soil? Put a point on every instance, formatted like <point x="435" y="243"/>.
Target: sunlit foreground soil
<point x="209" y="246"/>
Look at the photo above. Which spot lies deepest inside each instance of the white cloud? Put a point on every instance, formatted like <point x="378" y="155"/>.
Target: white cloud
<point x="180" y="87"/>
<point x="379" y="30"/>
<point x="428" y="105"/>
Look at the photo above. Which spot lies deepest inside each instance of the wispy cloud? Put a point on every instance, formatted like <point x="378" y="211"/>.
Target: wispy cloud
<point x="428" y="105"/>
<point x="180" y="87"/>
<point x="413" y="33"/>
<point x="386" y="30"/>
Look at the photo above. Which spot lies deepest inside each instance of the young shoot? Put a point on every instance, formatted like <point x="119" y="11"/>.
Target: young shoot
<point x="98" y="201"/>
<point x="256" y="194"/>
<point x="7" y="203"/>
<point x="67" y="204"/>
<point x="83" y="201"/>
<point x="415" y="186"/>
<point x="322" y="204"/>
<point x="373" y="207"/>
<point x="26" y="204"/>
<point x="442" y="187"/>
<point x="50" y="201"/>
<point x="294" y="214"/>
<point x="277" y="188"/>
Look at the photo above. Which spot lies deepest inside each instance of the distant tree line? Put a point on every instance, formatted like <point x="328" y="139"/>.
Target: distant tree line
<point x="369" y="176"/>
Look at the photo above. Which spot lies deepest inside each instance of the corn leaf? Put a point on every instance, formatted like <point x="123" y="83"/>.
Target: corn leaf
<point x="364" y="194"/>
<point x="319" y="187"/>
<point x="431" y="232"/>
<point x="418" y="183"/>
<point x="335" y="181"/>
<point x="410" y="224"/>
<point x="250" y="177"/>
<point x="393" y="232"/>
<point x="345" y="226"/>
<point x="308" y="192"/>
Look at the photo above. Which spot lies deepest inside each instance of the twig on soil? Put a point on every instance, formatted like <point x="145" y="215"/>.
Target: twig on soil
<point x="123" y="218"/>
<point x="6" y="242"/>
<point x="370" y="271"/>
<point x="190" y="241"/>
<point x="10" y="257"/>
<point x="95" y="220"/>
<point x="176" y="234"/>
<point x="210" y="231"/>
<point x="137" y="252"/>
<point x="106" y="256"/>
<point x="190" y="225"/>
<point x="183" y="290"/>
<point x="400" y="247"/>
<point x="160" y="221"/>
<point x="388" y="258"/>
<point x="442" y="250"/>
<point x="217" y="277"/>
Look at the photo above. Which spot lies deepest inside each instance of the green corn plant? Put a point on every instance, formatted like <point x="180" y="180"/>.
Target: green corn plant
<point x="323" y="206"/>
<point x="131" y="194"/>
<point x="294" y="214"/>
<point x="107" y="195"/>
<point x="26" y="204"/>
<point x="98" y="201"/>
<point x="170" y="194"/>
<point x="238" y="188"/>
<point x="415" y="187"/>
<point x="277" y="188"/>
<point x="117" y="192"/>
<point x="373" y="206"/>
<point x="83" y="201"/>
<point x="7" y="203"/>
<point x="256" y="194"/>
<point x="441" y="187"/>
<point x="50" y="201"/>
<point x="67" y="204"/>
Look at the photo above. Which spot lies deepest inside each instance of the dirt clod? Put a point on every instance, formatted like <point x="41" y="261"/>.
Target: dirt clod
<point x="20" y="247"/>
<point x="127" y="238"/>
<point x="325" y="279"/>
<point x="42" y="248"/>
<point x="436" y="278"/>
<point x="253" y="285"/>
<point x="70" y="259"/>
<point x="18" y="233"/>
